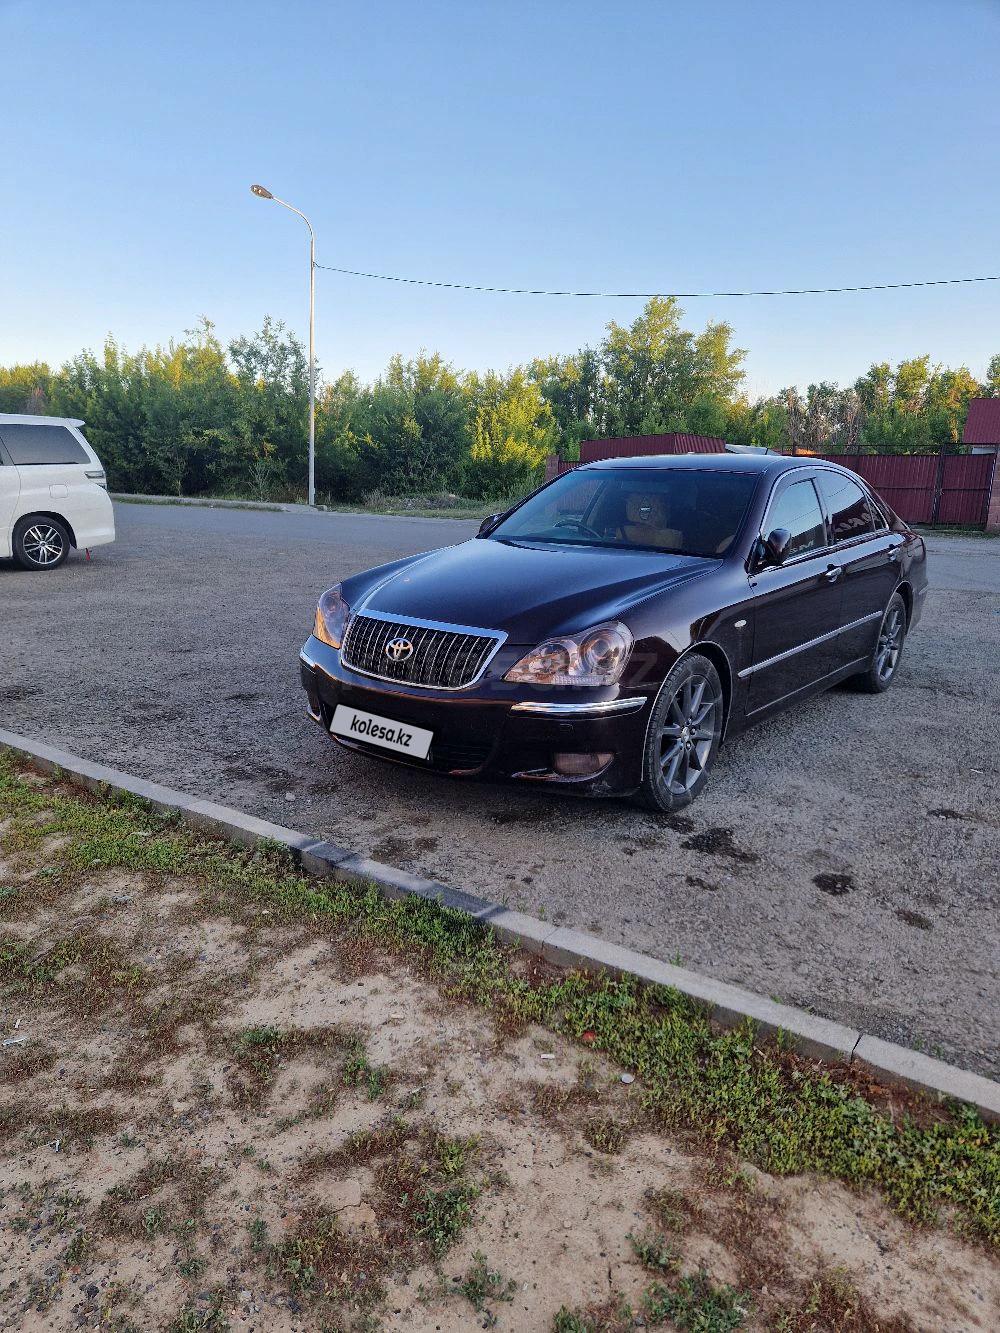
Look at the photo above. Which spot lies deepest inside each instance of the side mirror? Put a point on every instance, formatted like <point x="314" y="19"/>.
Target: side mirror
<point x="488" y="524"/>
<point x="776" y="546"/>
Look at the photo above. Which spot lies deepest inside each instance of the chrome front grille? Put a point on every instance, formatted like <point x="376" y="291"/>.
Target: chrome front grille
<point x="442" y="657"/>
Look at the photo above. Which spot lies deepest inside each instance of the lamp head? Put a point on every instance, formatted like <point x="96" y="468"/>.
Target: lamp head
<point x="261" y="192"/>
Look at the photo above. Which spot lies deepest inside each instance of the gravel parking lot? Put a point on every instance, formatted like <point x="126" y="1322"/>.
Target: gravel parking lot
<point x="844" y="857"/>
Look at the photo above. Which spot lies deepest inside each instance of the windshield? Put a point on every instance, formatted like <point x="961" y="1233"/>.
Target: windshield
<point x="680" y="511"/>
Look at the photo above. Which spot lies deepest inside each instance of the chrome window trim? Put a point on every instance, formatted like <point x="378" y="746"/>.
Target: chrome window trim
<point x="620" y="706"/>
<point x="810" y="643"/>
<point x="499" y="638"/>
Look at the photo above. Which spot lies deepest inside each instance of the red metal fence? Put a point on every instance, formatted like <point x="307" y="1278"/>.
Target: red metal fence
<point x="921" y="488"/>
<point x="928" y="488"/>
<point x="637" y="446"/>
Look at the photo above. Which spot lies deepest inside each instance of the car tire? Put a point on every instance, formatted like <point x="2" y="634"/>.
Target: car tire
<point x="881" y="670"/>
<point x="683" y="735"/>
<point x="41" y="542"/>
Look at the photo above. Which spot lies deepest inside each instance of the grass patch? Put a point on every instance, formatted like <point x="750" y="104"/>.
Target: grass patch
<point x="697" y="1304"/>
<point x="260" y="1052"/>
<point x="654" y="1252"/>
<point x="483" y="1287"/>
<point x="358" y="1071"/>
<point x="729" y="1089"/>
<point x="606" y="1134"/>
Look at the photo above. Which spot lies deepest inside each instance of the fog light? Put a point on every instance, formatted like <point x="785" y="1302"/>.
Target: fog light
<point x="580" y="765"/>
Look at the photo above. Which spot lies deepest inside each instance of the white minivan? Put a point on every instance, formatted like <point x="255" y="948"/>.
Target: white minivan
<point x="53" y="493"/>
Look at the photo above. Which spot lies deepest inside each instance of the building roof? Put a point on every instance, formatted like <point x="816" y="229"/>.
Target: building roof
<point x="982" y="425"/>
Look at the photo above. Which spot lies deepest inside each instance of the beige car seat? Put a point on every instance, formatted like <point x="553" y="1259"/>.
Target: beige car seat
<point x="645" y="522"/>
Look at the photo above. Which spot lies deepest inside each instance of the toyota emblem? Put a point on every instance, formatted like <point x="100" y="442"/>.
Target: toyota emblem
<point x="398" y="650"/>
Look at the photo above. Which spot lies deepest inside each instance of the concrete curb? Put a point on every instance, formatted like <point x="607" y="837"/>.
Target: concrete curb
<point x="816" y="1038"/>
<point x="278" y="507"/>
<point x="194" y="502"/>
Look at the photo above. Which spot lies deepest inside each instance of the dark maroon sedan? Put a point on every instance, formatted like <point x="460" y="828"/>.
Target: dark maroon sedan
<point x="610" y="631"/>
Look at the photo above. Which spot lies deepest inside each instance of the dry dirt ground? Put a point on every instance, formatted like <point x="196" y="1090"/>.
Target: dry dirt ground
<point x="217" y="1119"/>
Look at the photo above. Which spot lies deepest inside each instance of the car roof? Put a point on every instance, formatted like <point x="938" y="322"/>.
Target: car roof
<point x="753" y="463"/>
<point x="23" y="419"/>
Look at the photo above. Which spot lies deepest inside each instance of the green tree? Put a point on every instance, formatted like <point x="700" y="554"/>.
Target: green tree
<point x="654" y="371"/>
<point x="25" y="388"/>
<point x="571" y="385"/>
<point x="269" y="431"/>
<point x="339" y="410"/>
<point x="512" y="432"/>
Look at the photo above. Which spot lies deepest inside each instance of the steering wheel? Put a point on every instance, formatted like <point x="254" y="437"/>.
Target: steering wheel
<point x="580" y="527"/>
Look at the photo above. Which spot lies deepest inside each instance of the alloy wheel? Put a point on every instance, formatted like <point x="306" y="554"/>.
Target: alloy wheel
<point x="42" y="544"/>
<point x="687" y="735"/>
<point x="890" y="642"/>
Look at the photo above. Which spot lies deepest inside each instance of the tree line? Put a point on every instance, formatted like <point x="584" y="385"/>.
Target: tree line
<point x="198" y="417"/>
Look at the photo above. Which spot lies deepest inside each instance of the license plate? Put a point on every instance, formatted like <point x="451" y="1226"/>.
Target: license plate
<point x="354" y="725"/>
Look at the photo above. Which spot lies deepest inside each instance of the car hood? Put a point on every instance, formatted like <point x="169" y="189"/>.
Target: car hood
<point x="529" y="591"/>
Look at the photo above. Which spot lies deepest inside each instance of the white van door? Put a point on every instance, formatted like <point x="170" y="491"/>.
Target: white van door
<point x="10" y="489"/>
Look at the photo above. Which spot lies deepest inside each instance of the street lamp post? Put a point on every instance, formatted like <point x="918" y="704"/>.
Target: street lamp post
<point x="262" y="193"/>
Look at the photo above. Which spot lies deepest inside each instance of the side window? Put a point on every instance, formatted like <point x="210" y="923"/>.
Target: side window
<point x="879" y="519"/>
<point x="30" y="445"/>
<point x="850" y="515"/>
<point x="796" y="508"/>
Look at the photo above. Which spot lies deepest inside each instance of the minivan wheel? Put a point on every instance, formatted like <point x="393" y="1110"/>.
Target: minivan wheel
<point x="40" y="542"/>
<point x="881" y="670"/>
<point x="683" y="735"/>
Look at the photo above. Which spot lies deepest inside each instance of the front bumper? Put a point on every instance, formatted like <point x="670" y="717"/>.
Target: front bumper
<point x="493" y="729"/>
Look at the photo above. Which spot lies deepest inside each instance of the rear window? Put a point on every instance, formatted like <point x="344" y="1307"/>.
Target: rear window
<point x="29" y="445"/>
<point x="847" y="505"/>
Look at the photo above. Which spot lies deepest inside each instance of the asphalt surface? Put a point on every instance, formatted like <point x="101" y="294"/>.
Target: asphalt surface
<point x="844" y="856"/>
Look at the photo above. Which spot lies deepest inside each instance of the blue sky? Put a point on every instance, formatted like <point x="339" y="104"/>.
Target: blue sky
<point x="568" y="144"/>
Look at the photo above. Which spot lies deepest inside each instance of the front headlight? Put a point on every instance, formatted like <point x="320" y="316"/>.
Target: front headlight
<point x="331" y="617"/>
<point x="596" y="657"/>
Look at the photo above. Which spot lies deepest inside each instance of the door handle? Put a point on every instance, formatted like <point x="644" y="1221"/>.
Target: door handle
<point x="832" y="573"/>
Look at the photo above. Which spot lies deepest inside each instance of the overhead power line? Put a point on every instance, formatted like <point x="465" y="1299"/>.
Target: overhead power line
<point x="686" y="296"/>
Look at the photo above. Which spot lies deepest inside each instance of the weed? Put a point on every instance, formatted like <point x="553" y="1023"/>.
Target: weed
<point x="482" y="1285"/>
<point x="605" y="1134"/>
<point x="613" y="1316"/>
<point x="697" y="1305"/>
<point x="443" y="1214"/>
<point x="78" y="1249"/>
<point x="258" y="1235"/>
<point x="452" y="1155"/>
<point x="321" y="1260"/>
<point x="670" y="1207"/>
<point x="653" y="1252"/>
<point x="833" y="1303"/>
<point x="203" y="1319"/>
<point x="357" y="1070"/>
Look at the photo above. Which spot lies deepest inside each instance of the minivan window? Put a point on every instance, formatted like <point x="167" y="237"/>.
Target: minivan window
<point x="797" y="510"/>
<point x="30" y="445"/>
<point x="847" y="505"/>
